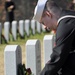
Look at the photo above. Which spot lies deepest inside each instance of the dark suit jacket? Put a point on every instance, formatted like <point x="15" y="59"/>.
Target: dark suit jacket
<point x="9" y="15"/>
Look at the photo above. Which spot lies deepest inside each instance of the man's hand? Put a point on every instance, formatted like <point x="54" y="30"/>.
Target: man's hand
<point x="10" y="8"/>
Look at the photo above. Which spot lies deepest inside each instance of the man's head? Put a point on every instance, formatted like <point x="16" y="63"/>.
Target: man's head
<point x="49" y="14"/>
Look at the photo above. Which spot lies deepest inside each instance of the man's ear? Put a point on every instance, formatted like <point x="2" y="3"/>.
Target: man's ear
<point x="49" y="14"/>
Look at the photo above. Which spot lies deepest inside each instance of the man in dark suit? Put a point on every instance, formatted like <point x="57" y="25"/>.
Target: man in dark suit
<point x="9" y="7"/>
<point x="62" y="21"/>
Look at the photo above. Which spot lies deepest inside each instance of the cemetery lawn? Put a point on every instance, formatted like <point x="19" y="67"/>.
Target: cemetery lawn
<point x="22" y="43"/>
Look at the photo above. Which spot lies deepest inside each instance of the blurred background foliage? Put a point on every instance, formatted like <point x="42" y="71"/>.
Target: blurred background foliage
<point x="25" y="8"/>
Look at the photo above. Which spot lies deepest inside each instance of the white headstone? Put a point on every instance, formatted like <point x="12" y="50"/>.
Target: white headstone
<point x="0" y="32"/>
<point x="48" y="46"/>
<point x="12" y="58"/>
<point x="43" y="29"/>
<point x="33" y="56"/>
<point x="14" y="29"/>
<point x="27" y="24"/>
<point x="33" y="26"/>
<point x="38" y="27"/>
<point x="6" y="30"/>
<point x="21" y="28"/>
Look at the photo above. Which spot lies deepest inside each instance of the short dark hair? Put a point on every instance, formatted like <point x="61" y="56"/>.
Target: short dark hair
<point x="52" y="6"/>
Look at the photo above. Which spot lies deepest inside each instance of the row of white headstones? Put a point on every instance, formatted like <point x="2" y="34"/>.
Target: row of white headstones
<point x="13" y="55"/>
<point x="22" y="26"/>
